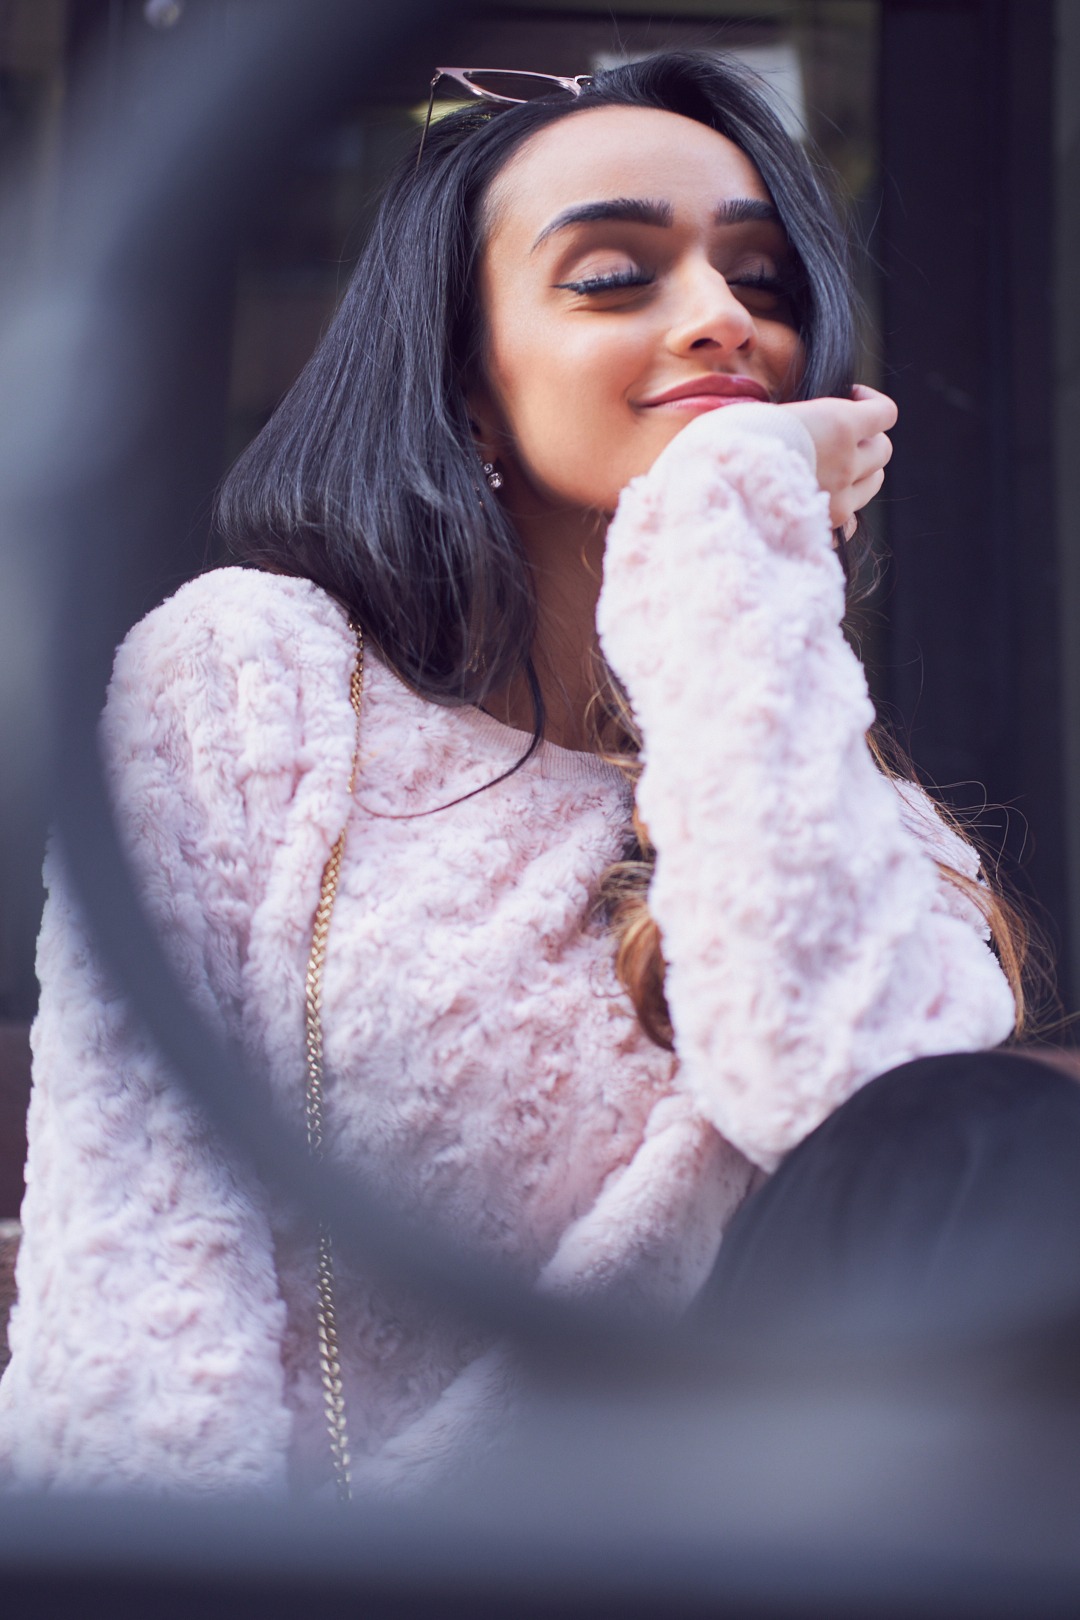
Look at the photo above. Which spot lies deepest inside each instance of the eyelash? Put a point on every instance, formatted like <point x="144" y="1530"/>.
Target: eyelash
<point x="618" y="280"/>
<point x="609" y="283"/>
<point x="762" y="282"/>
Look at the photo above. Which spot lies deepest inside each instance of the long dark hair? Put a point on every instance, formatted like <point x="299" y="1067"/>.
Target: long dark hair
<point x="367" y="479"/>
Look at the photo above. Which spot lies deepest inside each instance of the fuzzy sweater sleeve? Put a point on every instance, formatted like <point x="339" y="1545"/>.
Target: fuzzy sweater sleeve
<point x="146" y="1337"/>
<point x="809" y="939"/>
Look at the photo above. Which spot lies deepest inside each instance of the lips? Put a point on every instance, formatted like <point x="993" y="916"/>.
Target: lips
<point x="711" y="389"/>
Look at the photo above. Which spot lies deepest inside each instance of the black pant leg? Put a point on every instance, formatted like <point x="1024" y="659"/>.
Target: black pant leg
<point x="940" y="1205"/>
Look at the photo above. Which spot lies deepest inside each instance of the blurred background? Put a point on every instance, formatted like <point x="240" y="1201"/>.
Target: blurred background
<point x="953" y="127"/>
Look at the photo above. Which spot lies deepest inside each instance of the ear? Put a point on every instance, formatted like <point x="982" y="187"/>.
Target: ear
<point x="486" y="423"/>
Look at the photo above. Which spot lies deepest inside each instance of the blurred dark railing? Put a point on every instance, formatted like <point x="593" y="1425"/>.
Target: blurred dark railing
<point x="649" y="1474"/>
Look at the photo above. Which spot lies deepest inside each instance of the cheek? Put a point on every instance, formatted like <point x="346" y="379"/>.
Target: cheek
<point x="564" y="399"/>
<point x="788" y="357"/>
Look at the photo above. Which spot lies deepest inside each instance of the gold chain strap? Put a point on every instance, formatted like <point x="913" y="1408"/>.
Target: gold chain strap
<point x="329" y="1351"/>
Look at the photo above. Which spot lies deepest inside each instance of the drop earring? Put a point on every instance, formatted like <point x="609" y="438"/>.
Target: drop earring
<point x="493" y="476"/>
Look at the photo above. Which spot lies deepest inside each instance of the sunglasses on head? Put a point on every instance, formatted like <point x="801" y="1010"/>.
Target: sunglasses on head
<point x="504" y="86"/>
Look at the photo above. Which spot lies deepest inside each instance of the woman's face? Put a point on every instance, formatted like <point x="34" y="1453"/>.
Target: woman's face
<point x="630" y="253"/>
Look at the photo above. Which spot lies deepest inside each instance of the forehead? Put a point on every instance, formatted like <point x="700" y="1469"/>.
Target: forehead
<point x="619" y="152"/>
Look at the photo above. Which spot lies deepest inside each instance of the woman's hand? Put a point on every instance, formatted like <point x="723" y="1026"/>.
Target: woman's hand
<point x="853" y="448"/>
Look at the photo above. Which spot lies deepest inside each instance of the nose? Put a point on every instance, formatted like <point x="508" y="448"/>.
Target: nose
<point x="708" y="315"/>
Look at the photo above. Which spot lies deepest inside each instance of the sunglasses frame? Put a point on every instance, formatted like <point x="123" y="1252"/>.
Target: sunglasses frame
<point x="461" y="75"/>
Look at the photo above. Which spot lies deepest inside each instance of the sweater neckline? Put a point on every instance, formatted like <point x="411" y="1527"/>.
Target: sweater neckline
<point x="552" y="760"/>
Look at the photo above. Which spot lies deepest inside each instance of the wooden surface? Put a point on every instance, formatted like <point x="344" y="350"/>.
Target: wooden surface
<point x="14" y="1094"/>
<point x="9" y="1249"/>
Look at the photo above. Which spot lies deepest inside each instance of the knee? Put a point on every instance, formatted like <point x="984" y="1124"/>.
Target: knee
<point x="1010" y="1090"/>
<point x="948" y="1186"/>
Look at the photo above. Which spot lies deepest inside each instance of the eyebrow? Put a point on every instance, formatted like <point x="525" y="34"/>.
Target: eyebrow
<point x="643" y="211"/>
<point x="741" y="210"/>
<point x="634" y="210"/>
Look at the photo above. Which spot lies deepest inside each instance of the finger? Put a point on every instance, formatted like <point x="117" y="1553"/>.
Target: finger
<point x="848" y="529"/>
<point x="846" y="502"/>
<point x="877" y="407"/>
<point x="864" y="489"/>
<point x="871" y="454"/>
<point x="863" y="391"/>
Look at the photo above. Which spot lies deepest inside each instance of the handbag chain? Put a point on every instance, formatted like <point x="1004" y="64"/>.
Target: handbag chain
<point x="329" y="1348"/>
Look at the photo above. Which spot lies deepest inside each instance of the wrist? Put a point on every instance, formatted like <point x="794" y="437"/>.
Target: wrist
<point x="768" y="422"/>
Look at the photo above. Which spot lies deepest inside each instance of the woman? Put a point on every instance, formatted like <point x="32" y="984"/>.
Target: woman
<point x="553" y="304"/>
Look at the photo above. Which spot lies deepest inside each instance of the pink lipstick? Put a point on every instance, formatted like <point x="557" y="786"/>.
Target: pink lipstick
<point x="708" y="392"/>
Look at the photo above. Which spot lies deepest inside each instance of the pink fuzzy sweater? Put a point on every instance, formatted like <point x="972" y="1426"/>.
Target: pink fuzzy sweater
<point x="484" y="1065"/>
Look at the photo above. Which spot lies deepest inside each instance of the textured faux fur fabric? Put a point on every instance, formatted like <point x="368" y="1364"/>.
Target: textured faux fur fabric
<point x="811" y="942"/>
<point x="484" y="1067"/>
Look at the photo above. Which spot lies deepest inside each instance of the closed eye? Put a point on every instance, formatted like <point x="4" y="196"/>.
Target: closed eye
<point x="764" y="291"/>
<point x="612" y="281"/>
